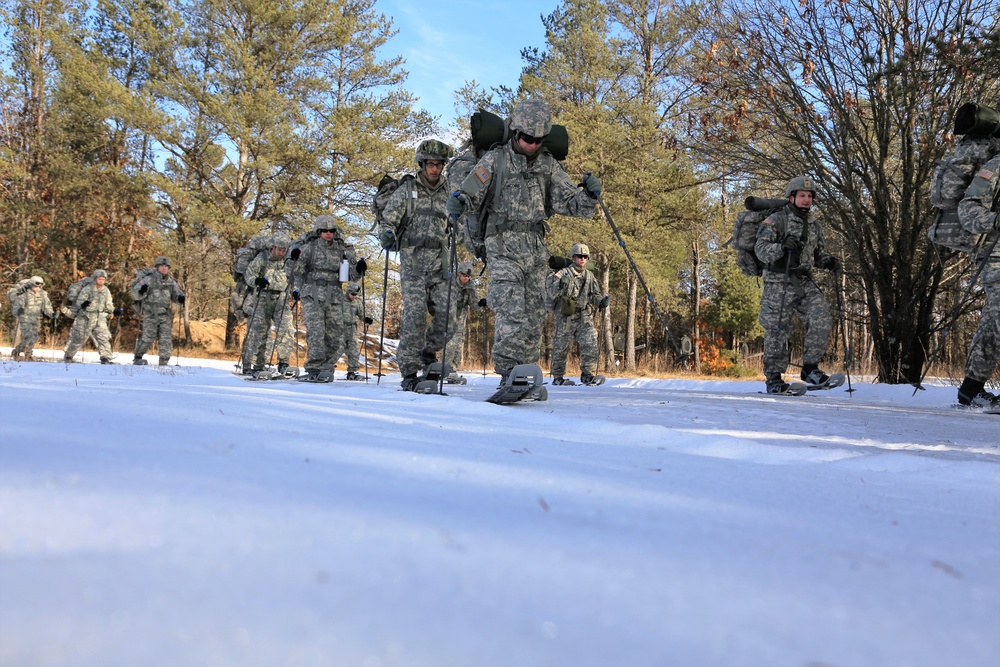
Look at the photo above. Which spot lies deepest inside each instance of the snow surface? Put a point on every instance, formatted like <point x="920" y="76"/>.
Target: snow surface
<point x="183" y="516"/>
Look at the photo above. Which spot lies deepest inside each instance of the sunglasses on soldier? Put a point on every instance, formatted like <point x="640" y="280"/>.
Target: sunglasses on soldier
<point x="325" y="231"/>
<point x="528" y="139"/>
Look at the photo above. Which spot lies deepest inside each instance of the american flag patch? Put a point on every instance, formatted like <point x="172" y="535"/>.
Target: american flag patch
<point x="482" y="175"/>
<point x="985" y="173"/>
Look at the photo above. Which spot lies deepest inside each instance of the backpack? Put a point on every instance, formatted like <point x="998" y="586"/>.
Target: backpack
<point x="952" y="176"/>
<point x="140" y="278"/>
<point x="386" y="187"/>
<point x="72" y="292"/>
<point x="745" y="232"/>
<point x="15" y="292"/>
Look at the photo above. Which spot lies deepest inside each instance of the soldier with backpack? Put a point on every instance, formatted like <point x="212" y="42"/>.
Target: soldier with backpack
<point x="578" y="296"/>
<point x="521" y="184"/>
<point x="91" y="307"/>
<point x="415" y="223"/>
<point x="790" y="244"/>
<point x="321" y="265"/>
<point x="153" y="292"/>
<point x="978" y="213"/>
<point x="267" y="284"/>
<point x="29" y="302"/>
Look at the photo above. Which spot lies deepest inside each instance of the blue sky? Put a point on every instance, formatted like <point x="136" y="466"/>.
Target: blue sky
<point x="448" y="43"/>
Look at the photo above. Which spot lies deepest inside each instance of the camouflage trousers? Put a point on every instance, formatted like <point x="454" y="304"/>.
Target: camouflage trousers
<point x="581" y="327"/>
<point x="29" y="327"/>
<point x="156" y="327"/>
<point x="518" y="262"/>
<point x="456" y="341"/>
<point x="85" y="327"/>
<point x="351" y="350"/>
<point x="324" y="332"/>
<point x="271" y="309"/>
<point x="984" y="353"/>
<point x="802" y="297"/>
<point x="424" y="294"/>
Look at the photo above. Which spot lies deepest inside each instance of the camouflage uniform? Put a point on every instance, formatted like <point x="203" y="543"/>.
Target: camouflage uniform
<point x="422" y="240"/>
<point x="797" y="293"/>
<point x="977" y="212"/>
<point x="531" y="190"/>
<point x="157" y="316"/>
<point x="579" y="296"/>
<point x="463" y="298"/>
<point x="268" y="305"/>
<point x="29" y="305"/>
<point x="353" y="312"/>
<point x="92" y="321"/>
<point x="316" y="278"/>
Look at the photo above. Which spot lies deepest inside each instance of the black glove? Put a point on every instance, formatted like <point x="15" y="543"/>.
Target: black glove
<point x="482" y="302"/>
<point x="17" y="313"/>
<point x="558" y="263"/>
<point x="592" y="184"/>
<point x="361" y="266"/>
<point x="119" y="311"/>
<point x="793" y="243"/>
<point x="369" y="320"/>
<point x="830" y="263"/>
<point x="294" y="255"/>
<point x="261" y="282"/>
<point x="295" y="295"/>
<point x="85" y="304"/>
<point x="603" y="303"/>
<point x="181" y="299"/>
<point x="144" y="288"/>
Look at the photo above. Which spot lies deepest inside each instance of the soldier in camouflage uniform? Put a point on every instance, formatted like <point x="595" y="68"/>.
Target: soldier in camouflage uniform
<point x="156" y="291"/>
<point x="415" y="224"/>
<point x="317" y="282"/>
<point x="978" y="215"/>
<point x="579" y="297"/>
<point x="92" y="308"/>
<point x="353" y="312"/>
<point x="268" y="305"/>
<point x="463" y="297"/>
<point x="791" y="243"/>
<point x="532" y="186"/>
<point x="30" y="302"/>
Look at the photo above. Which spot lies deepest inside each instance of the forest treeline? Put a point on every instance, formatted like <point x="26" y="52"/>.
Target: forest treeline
<point x="132" y="128"/>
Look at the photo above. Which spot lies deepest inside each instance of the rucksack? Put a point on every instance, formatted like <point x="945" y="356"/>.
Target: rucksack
<point x="953" y="174"/>
<point x="744" y="237"/>
<point x="72" y="292"/>
<point x="140" y="277"/>
<point x="18" y="289"/>
<point x="386" y="187"/>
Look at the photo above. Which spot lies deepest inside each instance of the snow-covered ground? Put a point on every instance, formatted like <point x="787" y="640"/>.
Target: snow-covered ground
<point x="182" y="516"/>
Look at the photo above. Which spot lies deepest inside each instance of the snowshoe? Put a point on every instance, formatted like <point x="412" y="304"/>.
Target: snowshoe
<point x="264" y="374"/>
<point x="786" y="389"/>
<point x="455" y="378"/>
<point x="320" y="376"/>
<point x="430" y="380"/>
<point x="831" y="382"/>
<point x="592" y="380"/>
<point x="524" y="382"/>
<point x="354" y="376"/>
<point x="139" y="361"/>
<point x="561" y="381"/>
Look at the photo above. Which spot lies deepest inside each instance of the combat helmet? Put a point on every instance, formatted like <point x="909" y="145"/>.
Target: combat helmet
<point x="532" y="117"/>
<point x="280" y="240"/>
<point x="353" y="288"/>
<point x="465" y="268"/>
<point x="37" y="280"/>
<point x="432" y="149"/>
<point x="326" y="221"/>
<point x="162" y="260"/>
<point x="800" y="183"/>
<point x="99" y="273"/>
<point x="580" y="249"/>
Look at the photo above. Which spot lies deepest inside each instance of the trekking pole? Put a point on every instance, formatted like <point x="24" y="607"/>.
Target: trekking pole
<point x="295" y="332"/>
<point x="956" y="312"/>
<point x="843" y="334"/>
<point x="486" y="339"/>
<point x="628" y="255"/>
<point x="450" y="277"/>
<point x="364" y="329"/>
<point x="381" y="335"/>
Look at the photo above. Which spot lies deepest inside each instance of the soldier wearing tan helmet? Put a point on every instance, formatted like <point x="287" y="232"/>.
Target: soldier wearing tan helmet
<point x="521" y="184"/>
<point x="91" y="309"/>
<point x="153" y="292"/>
<point x="29" y="301"/>
<point x="792" y="245"/>
<point x="579" y="297"/>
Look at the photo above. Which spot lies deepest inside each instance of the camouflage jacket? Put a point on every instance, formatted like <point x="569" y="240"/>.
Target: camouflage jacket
<point x="771" y="235"/>
<point x="580" y="286"/>
<point x="427" y="227"/>
<point x="354" y="312"/>
<point x="317" y="271"/>
<point x="977" y="211"/>
<point x="266" y="265"/>
<point x="32" y="306"/>
<point x="161" y="292"/>
<point x="100" y="300"/>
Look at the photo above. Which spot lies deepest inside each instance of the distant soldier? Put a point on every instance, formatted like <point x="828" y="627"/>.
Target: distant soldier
<point x="92" y="307"/>
<point x="29" y="302"/>
<point x="155" y="291"/>
<point x="521" y="185"/>
<point x="317" y="281"/>
<point x="579" y="296"/>
<point x="267" y="307"/>
<point x="463" y="298"/>
<point x="416" y="224"/>
<point x="353" y="312"/>
<point x="978" y="214"/>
